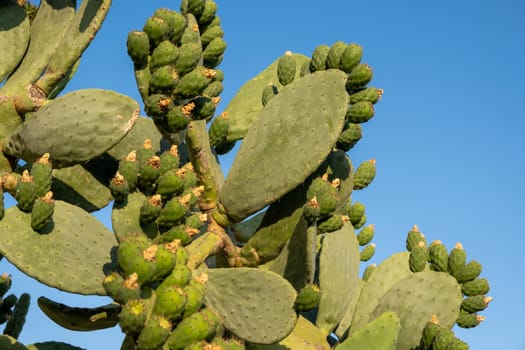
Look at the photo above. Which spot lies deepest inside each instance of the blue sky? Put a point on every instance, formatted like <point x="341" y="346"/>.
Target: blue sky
<point x="447" y="135"/>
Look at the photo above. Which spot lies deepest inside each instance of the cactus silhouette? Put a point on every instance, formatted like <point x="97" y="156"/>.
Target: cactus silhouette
<point x="267" y="257"/>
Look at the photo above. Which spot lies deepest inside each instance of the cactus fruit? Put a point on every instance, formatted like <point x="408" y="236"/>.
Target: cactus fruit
<point x="364" y="174"/>
<point x="418" y="258"/>
<point x="286" y="69"/>
<point x="438" y="256"/>
<point x="307" y="298"/>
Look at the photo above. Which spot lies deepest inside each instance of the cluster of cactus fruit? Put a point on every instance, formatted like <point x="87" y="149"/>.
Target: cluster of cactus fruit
<point x="267" y="257"/>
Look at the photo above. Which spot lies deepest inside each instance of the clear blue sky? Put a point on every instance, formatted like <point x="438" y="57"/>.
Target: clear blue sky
<point x="447" y="136"/>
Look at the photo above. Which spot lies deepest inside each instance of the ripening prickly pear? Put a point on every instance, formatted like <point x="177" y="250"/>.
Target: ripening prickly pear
<point x="154" y="334"/>
<point x="438" y="256"/>
<point x="442" y="339"/>
<point x="360" y="75"/>
<point x="331" y="223"/>
<point x="132" y="317"/>
<point x="414" y="236"/>
<point x="170" y="302"/>
<point x="134" y="256"/>
<point x="286" y="68"/>
<point x="430" y="330"/>
<point x="208" y="13"/>
<point x="457" y="259"/>
<point x="369" y="270"/>
<point x="475" y="303"/>
<point x="149" y="172"/>
<point x="169" y="160"/>
<point x="367" y="252"/>
<point x="269" y="92"/>
<point x="366" y="235"/>
<point x="469" y="320"/>
<point x="157" y="30"/>
<point x="333" y="59"/>
<point x="319" y="56"/>
<point x="180" y="276"/>
<point x="350" y="135"/>
<point x="163" y="80"/>
<point x="369" y="94"/>
<point x="150" y="209"/>
<point x="360" y="112"/>
<point x="212" y="54"/>
<point x="469" y="272"/>
<point x="189" y="57"/>
<point x="364" y="174"/>
<point x="193" y="83"/>
<point x="201" y="325"/>
<point x="173" y="212"/>
<point x="165" y="260"/>
<point x="169" y="184"/>
<point x="42" y="211"/>
<point x="210" y="34"/>
<point x="307" y="298"/>
<point x="418" y="258"/>
<point x="165" y="54"/>
<point x="479" y="286"/>
<point x="204" y="107"/>
<point x="119" y="187"/>
<point x="41" y="171"/>
<point x="356" y="212"/>
<point x="181" y="232"/>
<point x="194" y="295"/>
<point x="457" y="344"/>
<point x="138" y="47"/>
<point x="350" y="57"/>
<point x="121" y="290"/>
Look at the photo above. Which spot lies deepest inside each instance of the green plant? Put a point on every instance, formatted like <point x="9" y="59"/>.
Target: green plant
<point x="265" y="258"/>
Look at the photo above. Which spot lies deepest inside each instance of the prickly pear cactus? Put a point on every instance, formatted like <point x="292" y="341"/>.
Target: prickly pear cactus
<point x="267" y="257"/>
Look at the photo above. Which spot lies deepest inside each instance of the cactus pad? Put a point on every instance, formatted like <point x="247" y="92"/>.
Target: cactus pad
<point x="71" y="254"/>
<point x="14" y="36"/>
<point x="75" y="128"/>
<point x="380" y="334"/>
<point x="291" y="136"/>
<point x="255" y="305"/>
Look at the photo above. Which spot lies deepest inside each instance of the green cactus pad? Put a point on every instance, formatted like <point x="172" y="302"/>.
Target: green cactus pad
<point x="258" y="316"/>
<point x="416" y="298"/>
<point x="80" y="318"/>
<point x="78" y="186"/>
<point x="14" y="36"/>
<point x="245" y="106"/>
<point x="72" y="256"/>
<point x="305" y="336"/>
<point x="47" y="30"/>
<point x="303" y="123"/>
<point x="52" y="345"/>
<point x="348" y="316"/>
<point x="338" y="275"/>
<point x="9" y="343"/>
<point x="388" y="273"/>
<point x="75" y="128"/>
<point x="380" y="334"/>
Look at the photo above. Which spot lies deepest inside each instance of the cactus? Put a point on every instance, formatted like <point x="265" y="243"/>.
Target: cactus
<point x="267" y="257"/>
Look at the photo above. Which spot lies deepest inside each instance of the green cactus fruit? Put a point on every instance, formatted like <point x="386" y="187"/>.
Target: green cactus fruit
<point x="325" y="193"/>
<point x="212" y="54"/>
<point x="469" y="320"/>
<point x="366" y="235"/>
<point x="369" y="94"/>
<point x="356" y="212"/>
<point x="307" y="298"/>
<point x="169" y="160"/>
<point x="191" y="32"/>
<point x="169" y="184"/>
<point x="42" y="211"/>
<point x="5" y="283"/>
<point x="25" y="193"/>
<point x="149" y="172"/>
<point x="165" y="54"/>
<point x="196" y="220"/>
<point x="193" y="83"/>
<point x="181" y="232"/>
<point x="361" y="222"/>
<point x="457" y="259"/>
<point x="369" y="270"/>
<point x="195" y="7"/>
<point x="414" y="236"/>
<point x="469" y="272"/>
<point x="360" y="112"/>
<point x="360" y="75"/>
<point x="41" y="171"/>
<point x="479" y="286"/>
<point x="145" y="153"/>
<point x="170" y="302"/>
<point x="121" y="290"/>
<point x="188" y="175"/>
<point x="194" y="294"/>
<point x="442" y="339"/>
<point x="333" y="59"/>
<point x="119" y="187"/>
<point x="367" y="252"/>
<point x="138" y="48"/>
<point x="457" y="344"/>
<point x="311" y="210"/>
<point x="201" y="325"/>
<point x="177" y="118"/>
<point x="268" y="93"/>
<point x="204" y="107"/>
<point x="430" y="330"/>
<point x="182" y="255"/>
<point x="180" y="276"/>
<point x="157" y="30"/>
<point x="332" y="223"/>
<point x="132" y="317"/>
<point x="350" y="135"/>
<point x="175" y="21"/>
<point x="150" y="209"/>
<point x="305" y="68"/>
<point x="163" y="80"/>
<point x="319" y="57"/>
<point x="189" y="56"/>
<point x="475" y="303"/>
<point x="173" y="212"/>
<point x="208" y="13"/>
<point x="364" y="174"/>
<point x="154" y="334"/>
<point x="214" y="89"/>
<point x="350" y="57"/>
<point x="210" y="34"/>
<point x="438" y="256"/>
<point x="165" y="260"/>
<point x="134" y="256"/>
<point x="157" y="105"/>
<point x="418" y="258"/>
<point x="286" y="68"/>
